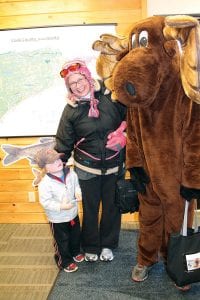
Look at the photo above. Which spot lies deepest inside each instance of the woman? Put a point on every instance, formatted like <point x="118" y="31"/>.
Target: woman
<point x="91" y="126"/>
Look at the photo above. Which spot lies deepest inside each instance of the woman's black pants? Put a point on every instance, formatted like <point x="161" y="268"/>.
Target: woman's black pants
<point x="100" y="230"/>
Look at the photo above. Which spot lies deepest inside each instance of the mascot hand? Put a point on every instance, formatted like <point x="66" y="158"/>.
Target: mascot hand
<point x="189" y="193"/>
<point x="117" y="139"/>
<point x="140" y="178"/>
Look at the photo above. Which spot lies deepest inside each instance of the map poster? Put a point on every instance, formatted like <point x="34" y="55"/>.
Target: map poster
<point x="32" y="93"/>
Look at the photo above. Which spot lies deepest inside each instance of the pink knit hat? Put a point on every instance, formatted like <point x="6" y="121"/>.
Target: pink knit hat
<point x="79" y="67"/>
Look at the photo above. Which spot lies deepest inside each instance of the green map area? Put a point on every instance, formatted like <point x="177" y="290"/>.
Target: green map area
<point x="24" y="74"/>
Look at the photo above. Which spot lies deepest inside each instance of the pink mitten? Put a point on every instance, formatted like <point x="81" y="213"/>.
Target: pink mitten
<point x="117" y="139"/>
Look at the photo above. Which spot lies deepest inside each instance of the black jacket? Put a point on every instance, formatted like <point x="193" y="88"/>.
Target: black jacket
<point x="91" y="133"/>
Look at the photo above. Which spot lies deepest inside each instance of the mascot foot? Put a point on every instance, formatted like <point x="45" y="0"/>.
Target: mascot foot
<point x="139" y="273"/>
<point x="184" y="288"/>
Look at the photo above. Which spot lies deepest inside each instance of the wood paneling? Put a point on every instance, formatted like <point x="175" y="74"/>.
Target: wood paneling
<point x="19" y="207"/>
<point x="12" y="174"/>
<point x="23" y="14"/>
<point x="16" y="179"/>
<point x="14" y="197"/>
<point x="23" y="217"/>
<point x="37" y="7"/>
<point x="15" y="187"/>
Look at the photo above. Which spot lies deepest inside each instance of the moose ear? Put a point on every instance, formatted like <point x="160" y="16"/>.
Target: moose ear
<point x="186" y="30"/>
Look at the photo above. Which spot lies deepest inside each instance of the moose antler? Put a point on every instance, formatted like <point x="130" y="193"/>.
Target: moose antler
<point x="186" y="30"/>
<point x="110" y="47"/>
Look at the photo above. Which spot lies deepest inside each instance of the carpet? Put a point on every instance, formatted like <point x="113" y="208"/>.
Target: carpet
<point x="112" y="280"/>
<point x="27" y="266"/>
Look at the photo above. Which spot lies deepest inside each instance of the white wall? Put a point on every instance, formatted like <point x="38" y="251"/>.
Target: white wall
<point x="167" y="7"/>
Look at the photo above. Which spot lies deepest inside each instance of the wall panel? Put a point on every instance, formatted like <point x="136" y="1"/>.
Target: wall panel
<point x="22" y="14"/>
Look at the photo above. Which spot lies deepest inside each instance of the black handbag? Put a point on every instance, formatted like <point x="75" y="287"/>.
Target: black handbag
<point x="183" y="259"/>
<point x="126" y="196"/>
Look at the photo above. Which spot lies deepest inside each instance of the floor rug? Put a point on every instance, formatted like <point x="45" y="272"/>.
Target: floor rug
<point x="112" y="280"/>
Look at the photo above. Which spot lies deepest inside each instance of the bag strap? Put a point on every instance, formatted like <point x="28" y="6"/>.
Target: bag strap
<point x="184" y="225"/>
<point x="185" y="219"/>
<point x="121" y="164"/>
<point x="195" y="217"/>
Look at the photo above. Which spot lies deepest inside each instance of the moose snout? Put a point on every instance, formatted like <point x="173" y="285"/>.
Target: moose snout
<point x="130" y="89"/>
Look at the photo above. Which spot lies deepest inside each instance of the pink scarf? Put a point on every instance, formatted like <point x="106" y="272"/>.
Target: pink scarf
<point x="93" y="111"/>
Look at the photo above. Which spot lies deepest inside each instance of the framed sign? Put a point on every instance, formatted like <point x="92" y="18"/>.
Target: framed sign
<point x="32" y="93"/>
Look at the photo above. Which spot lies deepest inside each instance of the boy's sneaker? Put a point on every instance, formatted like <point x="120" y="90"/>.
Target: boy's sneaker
<point x="71" y="268"/>
<point x="106" y="255"/>
<point x="91" y="257"/>
<point x="79" y="258"/>
<point x="139" y="273"/>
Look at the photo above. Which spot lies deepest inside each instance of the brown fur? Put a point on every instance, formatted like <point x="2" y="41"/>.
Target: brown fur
<point x="160" y="87"/>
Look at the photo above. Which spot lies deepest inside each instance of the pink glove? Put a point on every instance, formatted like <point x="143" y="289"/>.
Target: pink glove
<point x="117" y="139"/>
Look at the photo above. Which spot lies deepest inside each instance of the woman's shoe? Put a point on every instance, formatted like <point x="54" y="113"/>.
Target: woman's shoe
<point x="106" y="255"/>
<point x="91" y="257"/>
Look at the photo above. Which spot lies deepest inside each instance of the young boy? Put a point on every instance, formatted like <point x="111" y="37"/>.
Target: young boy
<point x="59" y="192"/>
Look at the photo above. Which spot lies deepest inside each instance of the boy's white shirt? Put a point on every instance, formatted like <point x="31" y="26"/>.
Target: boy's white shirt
<point x="51" y="195"/>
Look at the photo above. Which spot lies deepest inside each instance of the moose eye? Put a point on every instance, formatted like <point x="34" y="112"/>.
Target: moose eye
<point x="143" y="38"/>
<point x="133" y="41"/>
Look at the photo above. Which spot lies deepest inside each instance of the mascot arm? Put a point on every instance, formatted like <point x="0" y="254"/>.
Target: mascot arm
<point x="134" y="162"/>
<point x="186" y="30"/>
<point x="140" y="179"/>
<point x="191" y="151"/>
<point x="133" y="157"/>
<point x="189" y="193"/>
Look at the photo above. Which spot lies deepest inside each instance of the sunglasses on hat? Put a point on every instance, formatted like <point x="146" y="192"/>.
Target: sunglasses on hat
<point x="71" y="68"/>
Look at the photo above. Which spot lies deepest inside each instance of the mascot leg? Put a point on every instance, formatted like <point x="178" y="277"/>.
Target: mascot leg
<point x="159" y="214"/>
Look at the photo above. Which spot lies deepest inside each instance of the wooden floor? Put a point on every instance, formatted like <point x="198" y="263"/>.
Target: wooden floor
<point x="27" y="267"/>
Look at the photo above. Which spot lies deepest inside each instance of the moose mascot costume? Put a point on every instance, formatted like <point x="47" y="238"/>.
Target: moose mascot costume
<point x="155" y="72"/>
